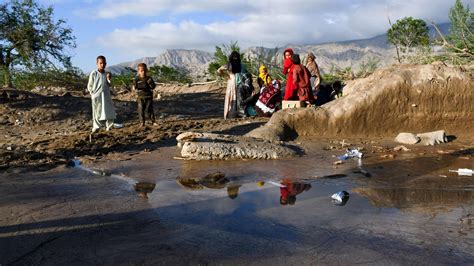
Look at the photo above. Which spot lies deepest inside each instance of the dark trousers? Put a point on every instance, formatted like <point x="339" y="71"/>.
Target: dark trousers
<point x="145" y="105"/>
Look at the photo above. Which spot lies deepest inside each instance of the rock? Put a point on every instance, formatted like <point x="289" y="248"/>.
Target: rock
<point x="209" y="146"/>
<point x="407" y="138"/>
<point x="432" y="138"/>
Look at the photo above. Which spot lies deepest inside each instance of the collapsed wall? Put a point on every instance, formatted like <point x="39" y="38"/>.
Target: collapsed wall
<point x="402" y="98"/>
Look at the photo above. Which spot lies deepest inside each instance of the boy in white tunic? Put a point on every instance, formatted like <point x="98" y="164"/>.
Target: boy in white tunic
<point x="102" y="106"/>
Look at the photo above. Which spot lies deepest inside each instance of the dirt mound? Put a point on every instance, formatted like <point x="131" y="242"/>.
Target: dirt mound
<point x="406" y="98"/>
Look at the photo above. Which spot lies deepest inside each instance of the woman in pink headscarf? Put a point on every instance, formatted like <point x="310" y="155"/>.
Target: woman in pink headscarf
<point x="290" y="89"/>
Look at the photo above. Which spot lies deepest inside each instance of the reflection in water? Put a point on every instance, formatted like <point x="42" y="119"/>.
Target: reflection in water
<point x="290" y="190"/>
<point x="215" y="180"/>
<point x="411" y="198"/>
<point x="233" y="191"/>
<point x="143" y="188"/>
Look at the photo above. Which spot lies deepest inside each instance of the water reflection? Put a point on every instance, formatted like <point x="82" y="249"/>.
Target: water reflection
<point x="290" y="190"/>
<point x="143" y="188"/>
<point x="215" y="180"/>
<point x="428" y="199"/>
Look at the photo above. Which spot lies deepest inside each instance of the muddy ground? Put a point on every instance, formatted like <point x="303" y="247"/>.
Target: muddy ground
<point x="45" y="129"/>
<point x="410" y="210"/>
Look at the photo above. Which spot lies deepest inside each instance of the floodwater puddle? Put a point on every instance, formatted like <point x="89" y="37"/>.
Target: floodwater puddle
<point x="410" y="209"/>
<point x="394" y="205"/>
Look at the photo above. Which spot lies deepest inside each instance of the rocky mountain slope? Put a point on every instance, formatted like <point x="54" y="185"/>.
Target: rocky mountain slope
<point x="330" y="56"/>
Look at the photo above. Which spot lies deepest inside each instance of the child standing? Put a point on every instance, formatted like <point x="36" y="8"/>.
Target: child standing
<point x="102" y="105"/>
<point x="144" y="86"/>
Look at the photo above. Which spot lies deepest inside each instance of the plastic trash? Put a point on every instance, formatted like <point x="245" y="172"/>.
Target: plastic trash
<point x="351" y="153"/>
<point x="340" y="198"/>
<point x="463" y="171"/>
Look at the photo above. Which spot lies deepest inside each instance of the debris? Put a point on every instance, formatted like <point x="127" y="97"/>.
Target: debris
<point x="463" y="171"/>
<point x="340" y="198"/>
<point x="363" y="172"/>
<point x="390" y="156"/>
<point x="351" y="153"/>
<point x="401" y="148"/>
<point x="338" y="162"/>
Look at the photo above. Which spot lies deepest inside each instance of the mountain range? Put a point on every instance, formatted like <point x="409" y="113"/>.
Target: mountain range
<point x="332" y="55"/>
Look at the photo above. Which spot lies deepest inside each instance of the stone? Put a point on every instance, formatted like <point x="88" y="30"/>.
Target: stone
<point x="433" y="138"/>
<point x="407" y="138"/>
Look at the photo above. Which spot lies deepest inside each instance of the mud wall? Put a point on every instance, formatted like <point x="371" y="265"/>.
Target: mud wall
<point x="404" y="98"/>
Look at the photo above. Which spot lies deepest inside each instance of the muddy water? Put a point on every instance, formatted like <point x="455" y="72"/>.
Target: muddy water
<point x="410" y="210"/>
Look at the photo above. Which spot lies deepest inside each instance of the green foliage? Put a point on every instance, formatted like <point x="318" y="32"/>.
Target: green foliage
<point x="168" y="74"/>
<point x="458" y="45"/>
<point x="29" y="37"/>
<point x="407" y="34"/>
<point x="221" y="57"/>
<point x="123" y="81"/>
<point x="72" y="79"/>
<point x="462" y="27"/>
<point x="367" y="68"/>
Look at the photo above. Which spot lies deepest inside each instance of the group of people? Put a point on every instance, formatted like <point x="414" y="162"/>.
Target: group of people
<point x="242" y="100"/>
<point x="103" y="111"/>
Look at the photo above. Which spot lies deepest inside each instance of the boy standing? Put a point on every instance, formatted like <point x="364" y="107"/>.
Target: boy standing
<point x="144" y="86"/>
<point x="102" y="105"/>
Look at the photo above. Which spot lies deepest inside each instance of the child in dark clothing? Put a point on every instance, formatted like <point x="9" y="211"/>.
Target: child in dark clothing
<point x="144" y="86"/>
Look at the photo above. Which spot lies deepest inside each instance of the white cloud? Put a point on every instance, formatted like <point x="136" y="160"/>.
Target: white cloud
<point x="266" y="23"/>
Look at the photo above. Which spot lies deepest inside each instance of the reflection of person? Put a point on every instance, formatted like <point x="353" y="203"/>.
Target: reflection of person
<point x="144" y="85"/>
<point x="233" y="191"/>
<point x="290" y="190"/>
<point x="102" y="106"/>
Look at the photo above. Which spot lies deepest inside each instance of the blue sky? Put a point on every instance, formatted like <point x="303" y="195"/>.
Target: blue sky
<point x="128" y="30"/>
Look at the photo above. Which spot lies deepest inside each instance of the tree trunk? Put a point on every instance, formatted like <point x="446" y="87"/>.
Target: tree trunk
<point x="7" y="81"/>
<point x="398" y="54"/>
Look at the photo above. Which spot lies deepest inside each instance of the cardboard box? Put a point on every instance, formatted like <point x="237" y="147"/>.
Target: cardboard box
<point x="293" y="104"/>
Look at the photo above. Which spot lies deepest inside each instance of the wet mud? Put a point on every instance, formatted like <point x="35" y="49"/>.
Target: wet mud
<point x="410" y="209"/>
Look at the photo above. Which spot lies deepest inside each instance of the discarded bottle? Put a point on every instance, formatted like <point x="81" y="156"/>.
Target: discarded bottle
<point x="340" y="198"/>
<point x="463" y="171"/>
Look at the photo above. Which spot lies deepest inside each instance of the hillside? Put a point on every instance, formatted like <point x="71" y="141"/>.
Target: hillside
<point x="343" y="54"/>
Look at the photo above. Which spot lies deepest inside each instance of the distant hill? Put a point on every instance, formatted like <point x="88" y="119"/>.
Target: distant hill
<point x="328" y="55"/>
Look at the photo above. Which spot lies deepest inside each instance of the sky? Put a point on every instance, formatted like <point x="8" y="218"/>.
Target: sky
<point x="128" y="30"/>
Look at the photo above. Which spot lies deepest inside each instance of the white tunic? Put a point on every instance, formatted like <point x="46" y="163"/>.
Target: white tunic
<point x="102" y="105"/>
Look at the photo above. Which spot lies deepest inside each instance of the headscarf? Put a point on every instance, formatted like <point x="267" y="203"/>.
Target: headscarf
<point x="265" y="77"/>
<point x="287" y="61"/>
<point x="235" y="65"/>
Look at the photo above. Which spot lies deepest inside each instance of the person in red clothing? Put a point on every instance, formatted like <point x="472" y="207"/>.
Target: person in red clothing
<point x="301" y="81"/>
<point x="290" y="88"/>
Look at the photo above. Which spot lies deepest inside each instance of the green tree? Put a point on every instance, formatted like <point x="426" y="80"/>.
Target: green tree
<point x="221" y="57"/>
<point x="29" y="37"/>
<point x="461" y="34"/>
<point x="408" y="33"/>
<point x="168" y="74"/>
